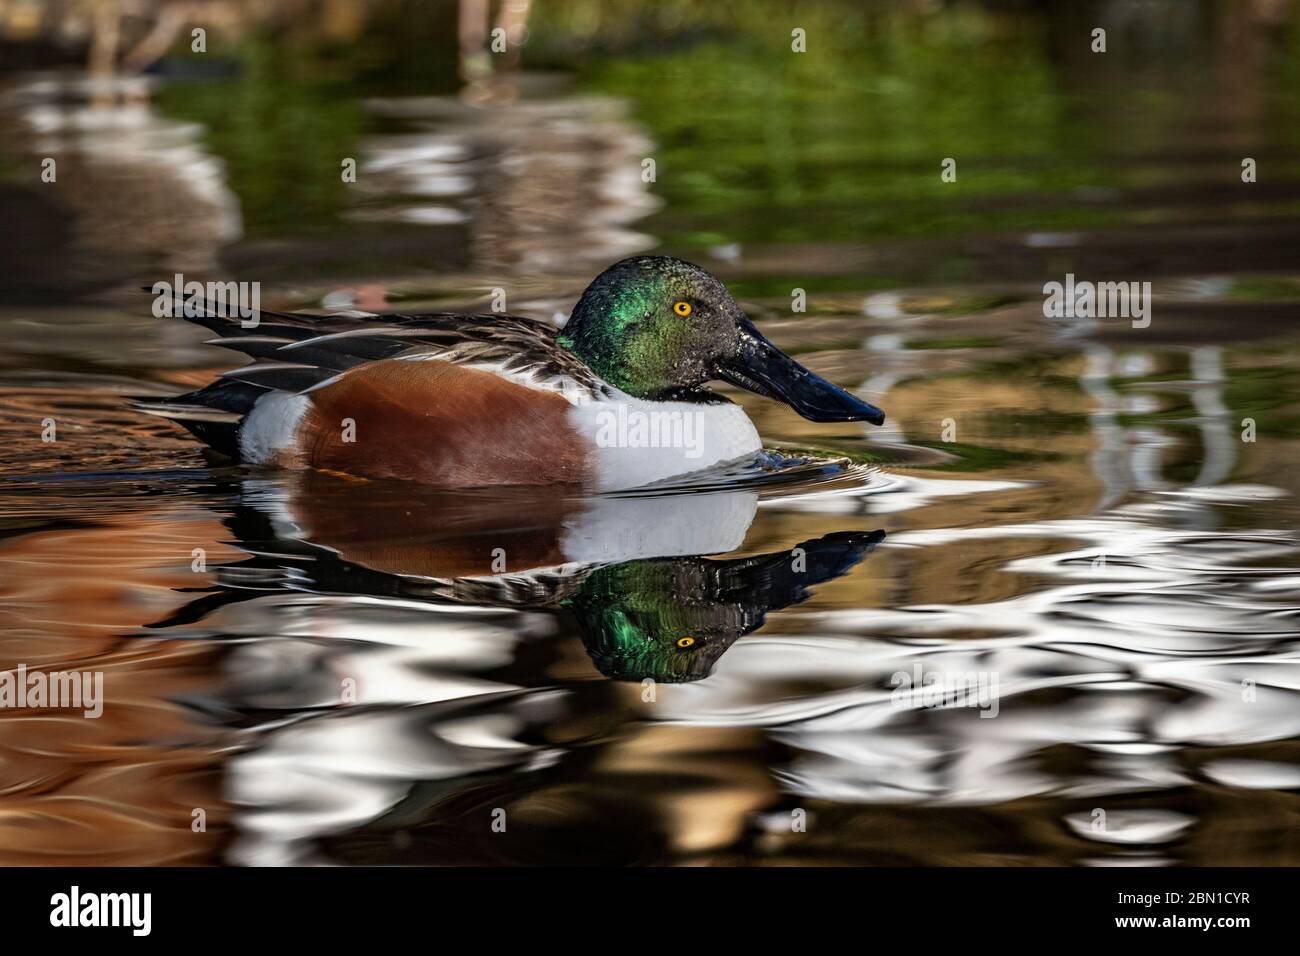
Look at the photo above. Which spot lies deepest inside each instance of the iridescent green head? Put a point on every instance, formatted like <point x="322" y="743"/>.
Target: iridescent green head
<point x="660" y="328"/>
<point x="653" y="326"/>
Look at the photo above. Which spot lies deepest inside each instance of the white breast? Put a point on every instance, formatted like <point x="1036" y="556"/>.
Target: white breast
<point x="638" y="442"/>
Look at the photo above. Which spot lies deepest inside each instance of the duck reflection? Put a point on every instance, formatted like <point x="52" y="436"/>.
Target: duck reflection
<point x="631" y="571"/>
<point x="467" y="699"/>
<point x="671" y="619"/>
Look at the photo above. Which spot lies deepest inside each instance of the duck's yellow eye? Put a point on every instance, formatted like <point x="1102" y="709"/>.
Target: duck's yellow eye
<point x="685" y="641"/>
<point x="682" y="308"/>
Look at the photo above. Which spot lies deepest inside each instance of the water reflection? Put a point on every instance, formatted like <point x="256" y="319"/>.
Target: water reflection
<point x="132" y="182"/>
<point x="550" y="184"/>
<point x="632" y="571"/>
<point x="671" y="620"/>
<point x="403" y="658"/>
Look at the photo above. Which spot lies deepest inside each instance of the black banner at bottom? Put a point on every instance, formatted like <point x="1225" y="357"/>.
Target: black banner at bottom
<point x="295" y="906"/>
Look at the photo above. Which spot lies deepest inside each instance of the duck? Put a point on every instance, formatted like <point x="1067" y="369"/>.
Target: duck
<point x="618" y="398"/>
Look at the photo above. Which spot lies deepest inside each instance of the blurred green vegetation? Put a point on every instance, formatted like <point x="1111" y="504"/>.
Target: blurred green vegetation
<point x="755" y="144"/>
<point x="1269" y="395"/>
<point x="1265" y="288"/>
<point x="287" y="109"/>
<point x="10" y="169"/>
<point x="283" y="125"/>
<point x="979" y="457"/>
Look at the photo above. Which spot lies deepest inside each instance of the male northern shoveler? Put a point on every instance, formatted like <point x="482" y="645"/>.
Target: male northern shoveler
<point x="616" y="399"/>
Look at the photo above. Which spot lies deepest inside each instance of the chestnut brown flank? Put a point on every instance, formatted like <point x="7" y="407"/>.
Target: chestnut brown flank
<point x="441" y="424"/>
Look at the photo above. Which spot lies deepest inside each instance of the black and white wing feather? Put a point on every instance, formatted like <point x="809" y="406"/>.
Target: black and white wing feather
<point x="297" y="352"/>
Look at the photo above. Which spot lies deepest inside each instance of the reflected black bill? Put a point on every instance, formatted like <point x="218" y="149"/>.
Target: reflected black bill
<point x="764" y="369"/>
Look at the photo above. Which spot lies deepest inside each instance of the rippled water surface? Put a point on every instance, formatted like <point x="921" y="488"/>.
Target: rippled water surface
<point x="1096" y="523"/>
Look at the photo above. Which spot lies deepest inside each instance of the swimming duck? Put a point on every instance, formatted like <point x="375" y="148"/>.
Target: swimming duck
<point x="616" y="399"/>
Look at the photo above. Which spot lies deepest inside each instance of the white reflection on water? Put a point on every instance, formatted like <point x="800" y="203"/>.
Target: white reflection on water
<point x="1164" y="633"/>
<point x="543" y="186"/>
<point x="137" y="181"/>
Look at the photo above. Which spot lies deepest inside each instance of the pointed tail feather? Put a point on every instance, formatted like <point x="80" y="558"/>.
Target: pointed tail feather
<point x="219" y="317"/>
<point x="213" y="414"/>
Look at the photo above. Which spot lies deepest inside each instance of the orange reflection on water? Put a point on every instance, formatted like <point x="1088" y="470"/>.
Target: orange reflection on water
<point x="122" y="788"/>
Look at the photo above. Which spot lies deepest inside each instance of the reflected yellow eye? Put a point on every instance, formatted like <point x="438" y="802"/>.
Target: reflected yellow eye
<point x="682" y="308"/>
<point x="685" y="641"/>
